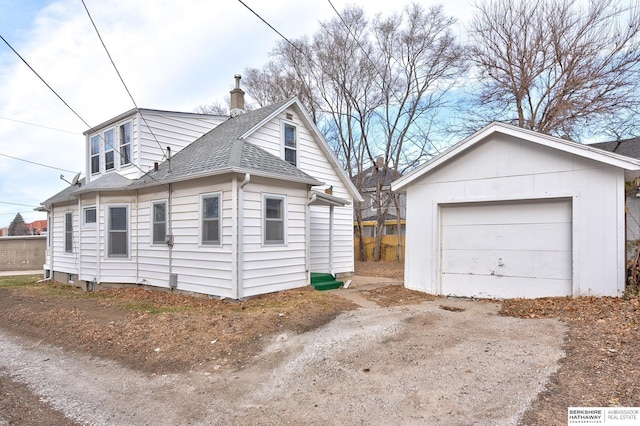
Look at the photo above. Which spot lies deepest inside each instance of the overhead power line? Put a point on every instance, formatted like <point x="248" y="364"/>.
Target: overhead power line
<point x="18" y="204"/>
<point x="36" y="163"/>
<point x="68" y="106"/>
<point x="45" y="83"/>
<point x="40" y="125"/>
<point x="121" y="79"/>
<point x="277" y="32"/>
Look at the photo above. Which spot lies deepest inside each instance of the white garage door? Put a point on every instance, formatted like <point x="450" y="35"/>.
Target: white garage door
<point x="506" y="249"/>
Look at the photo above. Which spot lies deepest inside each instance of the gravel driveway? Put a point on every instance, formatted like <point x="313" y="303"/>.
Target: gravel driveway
<point x="418" y="364"/>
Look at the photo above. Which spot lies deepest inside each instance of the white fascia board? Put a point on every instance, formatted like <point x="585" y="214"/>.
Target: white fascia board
<point x="586" y="151"/>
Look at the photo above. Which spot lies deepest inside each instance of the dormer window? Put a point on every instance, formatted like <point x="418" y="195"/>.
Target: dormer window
<point x="111" y="149"/>
<point x="125" y="143"/>
<point x="290" y="144"/>
<point x="109" y="162"/>
<point x="95" y="154"/>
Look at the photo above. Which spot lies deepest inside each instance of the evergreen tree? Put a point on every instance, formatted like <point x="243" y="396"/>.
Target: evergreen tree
<point x="17" y="226"/>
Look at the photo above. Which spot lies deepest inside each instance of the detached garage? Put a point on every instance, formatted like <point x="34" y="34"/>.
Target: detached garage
<point x="509" y="213"/>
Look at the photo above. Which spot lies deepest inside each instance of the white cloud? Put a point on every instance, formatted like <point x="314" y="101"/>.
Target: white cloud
<point x="172" y="55"/>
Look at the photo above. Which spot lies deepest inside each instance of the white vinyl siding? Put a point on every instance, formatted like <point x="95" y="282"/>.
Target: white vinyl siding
<point x="200" y="268"/>
<point x="160" y="130"/>
<point x="88" y="254"/>
<point x="276" y="267"/>
<point x="311" y="159"/>
<point x="63" y="262"/>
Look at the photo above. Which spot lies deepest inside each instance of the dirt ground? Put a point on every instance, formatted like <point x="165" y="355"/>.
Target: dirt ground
<point x="167" y="340"/>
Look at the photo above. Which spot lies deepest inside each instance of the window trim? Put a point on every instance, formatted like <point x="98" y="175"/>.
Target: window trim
<point x="93" y="155"/>
<point x="109" y="149"/>
<point x="86" y="224"/>
<point x="283" y="145"/>
<point x="68" y="233"/>
<point x="152" y="222"/>
<point x="121" y="145"/>
<point x="107" y="223"/>
<point x="201" y="241"/>
<point x="283" y="199"/>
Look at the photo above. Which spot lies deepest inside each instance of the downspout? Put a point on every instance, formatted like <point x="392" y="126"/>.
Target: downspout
<point x="234" y="236"/>
<point x="240" y="286"/>
<point x="50" y="241"/>
<point x="331" y="239"/>
<point x="170" y="228"/>
<point x="307" y="236"/>
<point x="79" y="251"/>
<point x="99" y="229"/>
<point x="138" y="235"/>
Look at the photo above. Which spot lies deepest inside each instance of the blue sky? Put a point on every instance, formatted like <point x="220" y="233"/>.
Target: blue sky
<point x="172" y="55"/>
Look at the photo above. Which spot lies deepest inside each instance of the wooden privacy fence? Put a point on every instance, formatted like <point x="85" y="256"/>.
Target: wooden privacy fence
<point x="388" y="247"/>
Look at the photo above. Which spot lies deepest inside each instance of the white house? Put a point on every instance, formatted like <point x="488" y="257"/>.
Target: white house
<point x="509" y="212"/>
<point x="226" y="206"/>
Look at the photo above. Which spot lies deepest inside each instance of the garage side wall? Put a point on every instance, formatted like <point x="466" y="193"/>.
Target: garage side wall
<point x="504" y="168"/>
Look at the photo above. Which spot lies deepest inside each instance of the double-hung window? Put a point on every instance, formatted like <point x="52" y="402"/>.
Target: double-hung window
<point x="159" y="222"/>
<point x="210" y="216"/>
<point x="273" y="214"/>
<point x="118" y="231"/>
<point x="109" y="156"/>
<point x="290" y="144"/>
<point x="68" y="232"/>
<point x="95" y="154"/>
<point x="125" y="143"/>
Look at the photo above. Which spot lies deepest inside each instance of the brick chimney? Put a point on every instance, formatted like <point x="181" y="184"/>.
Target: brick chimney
<point x="237" y="98"/>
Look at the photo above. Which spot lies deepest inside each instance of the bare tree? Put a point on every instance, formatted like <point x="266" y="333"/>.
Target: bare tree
<point x="555" y="66"/>
<point x="378" y="85"/>
<point x="215" y="108"/>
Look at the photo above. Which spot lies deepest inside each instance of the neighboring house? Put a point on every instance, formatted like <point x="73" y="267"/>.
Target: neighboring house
<point x="38" y="227"/>
<point x="235" y="209"/>
<point x="630" y="148"/>
<point x="368" y="208"/>
<point x="509" y="212"/>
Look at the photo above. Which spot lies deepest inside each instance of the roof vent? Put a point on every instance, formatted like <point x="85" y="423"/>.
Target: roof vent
<point x="289" y="116"/>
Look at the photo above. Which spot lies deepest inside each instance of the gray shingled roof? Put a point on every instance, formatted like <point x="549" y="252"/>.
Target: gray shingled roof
<point x="64" y="195"/>
<point x="371" y="174"/>
<point x="108" y="182"/>
<point x="222" y="151"/>
<point x="628" y="147"/>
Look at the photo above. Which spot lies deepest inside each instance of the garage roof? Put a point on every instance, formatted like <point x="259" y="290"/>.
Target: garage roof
<point x="631" y="165"/>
